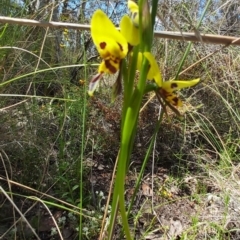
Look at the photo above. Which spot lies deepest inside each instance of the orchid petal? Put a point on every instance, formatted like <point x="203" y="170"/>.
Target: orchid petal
<point x="171" y="86"/>
<point x="166" y="89"/>
<point x="94" y="83"/>
<point x="170" y="97"/>
<point x="129" y="31"/>
<point x="154" y="72"/>
<point x="108" y="40"/>
<point x="109" y="66"/>
<point x="134" y="10"/>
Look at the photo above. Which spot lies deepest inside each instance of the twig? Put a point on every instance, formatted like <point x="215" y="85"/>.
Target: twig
<point x="104" y="222"/>
<point x="184" y="36"/>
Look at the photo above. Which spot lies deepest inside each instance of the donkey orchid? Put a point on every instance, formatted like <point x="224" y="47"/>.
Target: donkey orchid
<point x="166" y="89"/>
<point x="134" y="12"/>
<point x="129" y="30"/>
<point x="112" y="45"/>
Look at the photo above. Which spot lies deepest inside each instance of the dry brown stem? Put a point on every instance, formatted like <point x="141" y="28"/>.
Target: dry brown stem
<point x="185" y="36"/>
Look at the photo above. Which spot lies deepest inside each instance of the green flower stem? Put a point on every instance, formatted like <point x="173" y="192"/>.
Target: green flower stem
<point x="154" y="12"/>
<point x="81" y="157"/>
<point x="130" y="112"/>
<point x="128" y="134"/>
<point x="129" y="76"/>
<point x="136" y="188"/>
<point x="132" y="104"/>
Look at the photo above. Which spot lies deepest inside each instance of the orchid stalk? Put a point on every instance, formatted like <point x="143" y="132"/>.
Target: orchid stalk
<point x="127" y="51"/>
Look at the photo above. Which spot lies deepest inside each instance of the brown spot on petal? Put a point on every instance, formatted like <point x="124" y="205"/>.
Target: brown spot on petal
<point x="121" y="48"/>
<point x="130" y="47"/>
<point x="170" y="98"/>
<point x="163" y="93"/>
<point x="103" y="45"/>
<point x="174" y="85"/>
<point x="110" y="67"/>
<point x="175" y="101"/>
<point x="134" y="15"/>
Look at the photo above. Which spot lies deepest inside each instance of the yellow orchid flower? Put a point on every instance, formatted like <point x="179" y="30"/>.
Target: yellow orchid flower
<point x="166" y="89"/>
<point x="153" y="73"/>
<point x="134" y="12"/>
<point x="129" y="31"/>
<point x="112" y="45"/>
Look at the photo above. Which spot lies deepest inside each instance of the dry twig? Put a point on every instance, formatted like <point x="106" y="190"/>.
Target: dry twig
<point x="205" y="38"/>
